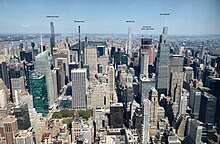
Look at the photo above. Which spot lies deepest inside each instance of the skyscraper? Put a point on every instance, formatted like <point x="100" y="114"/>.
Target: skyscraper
<point x="15" y="71"/>
<point x="215" y="90"/>
<point x="176" y="79"/>
<point x="3" y="73"/>
<point x="147" y="47"/>
<point x="194" y="102"/>
<point x="116" y="115"/>
<point x="79" y="88"/>
<point x="129" y="45"/>
<point x="43" y="66"/>
<point x="194" y="131"/>
<point x="145" y="86"/>
<point x="145" y="121"/>
<point x="153" y="110"/>
<point x="38" y="89"/>
<point x="144" y="64"/>
<point x="22" y="115"/>
<point x="91" y="59"/>
<point x="207" y="108"/>
<point x="162" y="64"/>
<point x="111" y="81"/>
<point x="10" y="129"/>
<point x="52" y="37"/>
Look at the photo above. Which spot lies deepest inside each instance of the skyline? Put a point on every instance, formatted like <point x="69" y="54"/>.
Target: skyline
<point x="199" y="17"/>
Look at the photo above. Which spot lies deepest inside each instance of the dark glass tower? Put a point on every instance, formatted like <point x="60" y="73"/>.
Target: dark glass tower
<point x="52" y="37"/>
<point x="15" y="69"/>
<point x="38" y="89"/>
<point x="22" y="115"/>
<point x="3" y="73"/>
<point x="207" y="108"/>
<point x="162" y="64"/>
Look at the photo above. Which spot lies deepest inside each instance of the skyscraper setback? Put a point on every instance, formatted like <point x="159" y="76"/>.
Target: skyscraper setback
<point x="162" y="64"/>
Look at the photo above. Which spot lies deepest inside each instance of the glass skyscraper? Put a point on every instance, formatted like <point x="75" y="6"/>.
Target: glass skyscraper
<point x="38" y="89"/>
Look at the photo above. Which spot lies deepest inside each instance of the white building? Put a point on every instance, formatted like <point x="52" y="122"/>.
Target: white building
<point x="145" y="121"/>
<point x="79" y="100"/>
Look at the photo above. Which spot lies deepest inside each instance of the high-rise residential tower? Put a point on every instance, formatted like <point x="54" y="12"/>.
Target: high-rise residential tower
<point x="52" y="37"/>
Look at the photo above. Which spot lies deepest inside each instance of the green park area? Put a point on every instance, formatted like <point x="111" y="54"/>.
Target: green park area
<point x="66" y="113"/>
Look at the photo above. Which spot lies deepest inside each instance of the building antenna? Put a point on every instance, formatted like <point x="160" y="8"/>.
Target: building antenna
<point x="166" y="22"/>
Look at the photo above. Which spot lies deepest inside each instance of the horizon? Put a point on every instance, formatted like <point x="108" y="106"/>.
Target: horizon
<point x="199" y="17"/>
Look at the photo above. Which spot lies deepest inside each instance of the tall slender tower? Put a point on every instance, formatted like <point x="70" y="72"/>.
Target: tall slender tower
<point x="129" y="41"/>
<point x="111" y="79"/>
<point x="162" y="64"/>
<point x="79" y="50"/>
<point x="52" y="37"/>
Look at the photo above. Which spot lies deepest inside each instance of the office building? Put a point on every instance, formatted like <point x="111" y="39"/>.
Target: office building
<point x="91" y="59"/>
<point x="188" y="73"/>
<point x="111" y="81"/>
<point x="182" y="104"/>
<point x="146" y="105"/>
<point x="3" y="98"/>
<point x="147" y="47"/>
<point x="144" y="64"/>
<point x="194" y="102"/>
<point x="153" y="111"/>
<point x="116" y="115"/>
<point x="16" y="72"/>
<point x="79" y="88"/>
<point x="4" y="73"/>
<point x="10" y="129"/>
<point x="162" y="64"/>
<point x="176" y="80"/>
<point x="72" y="65"/>
<point x="29" y="68"/>
<point x="207" y="108"/>
<point x="176" y="63"/>
<point x="24" y="137"/>
<point x="194" y="132"/>
<point x="22" y="115"/>
<point x="215" y="90"/>
<point x="26" y="56"/>
<point x="38" y="90"/>
<point x="43" y="66"/>
<point x="145" y="86"/>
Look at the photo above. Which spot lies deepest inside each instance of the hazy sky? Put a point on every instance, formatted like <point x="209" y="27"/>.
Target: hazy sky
<point x="187" y="17"/>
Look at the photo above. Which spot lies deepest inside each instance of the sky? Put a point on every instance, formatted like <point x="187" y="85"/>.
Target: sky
<point x="187" y="17"/>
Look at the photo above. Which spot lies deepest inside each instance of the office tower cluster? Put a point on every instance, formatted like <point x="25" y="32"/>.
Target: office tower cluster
<point x="110" y="89"/>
